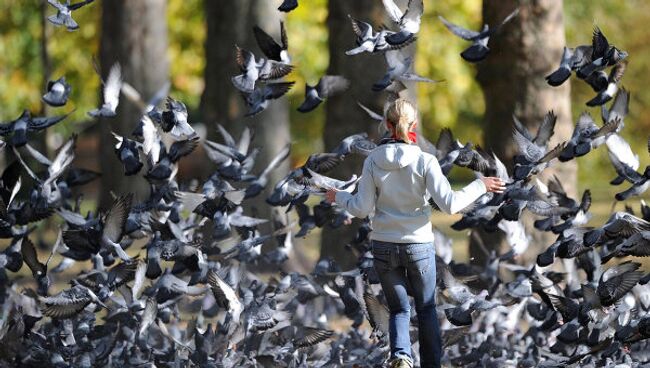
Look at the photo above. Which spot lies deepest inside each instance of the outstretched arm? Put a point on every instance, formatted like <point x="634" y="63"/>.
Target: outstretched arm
<point x="362" y="202"/>
<point x="451" y="201"/>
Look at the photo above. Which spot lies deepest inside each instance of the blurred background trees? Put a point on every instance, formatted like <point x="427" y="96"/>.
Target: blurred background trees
<point x="133" y="34"/>
<point x="191" y="43"/>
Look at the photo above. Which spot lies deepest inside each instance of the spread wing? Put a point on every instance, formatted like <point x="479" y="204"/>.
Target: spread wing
<point x="599" y="43"/>
<point x="116" y="217"/>
<point x="393" y="11"/>
<point x="459" y="31"/>
<point x="267" y="44"/>
<point x="546" y="129"/>
<point x="330" y="85"/>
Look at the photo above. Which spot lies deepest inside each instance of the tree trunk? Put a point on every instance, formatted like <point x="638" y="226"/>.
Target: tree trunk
<point x="343" y="116"/>
<point x="230" y="23"/>
<point x="512" y="79"/>
<point x="134" y="33"/>
<point x="227" y="26"/>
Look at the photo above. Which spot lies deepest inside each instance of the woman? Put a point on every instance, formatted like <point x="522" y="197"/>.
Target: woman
<point x="397" y="180"/>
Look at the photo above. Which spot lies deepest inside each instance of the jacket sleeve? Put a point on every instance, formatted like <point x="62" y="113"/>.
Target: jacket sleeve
<point x="448" y="200"/>
<point x="362" y="202"/>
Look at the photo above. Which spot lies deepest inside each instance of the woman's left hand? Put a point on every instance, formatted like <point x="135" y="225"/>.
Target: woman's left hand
<point x="330" y="195"/>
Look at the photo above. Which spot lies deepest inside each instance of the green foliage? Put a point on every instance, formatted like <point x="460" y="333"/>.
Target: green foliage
<point x="308" y="49"/>
<point x="186" y="34"/>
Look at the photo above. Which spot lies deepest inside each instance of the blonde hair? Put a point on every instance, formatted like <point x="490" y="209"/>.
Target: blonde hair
<point x="401" y="114"/>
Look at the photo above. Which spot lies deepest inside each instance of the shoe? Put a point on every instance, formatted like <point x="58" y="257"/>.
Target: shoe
<point x="401" y="362"/>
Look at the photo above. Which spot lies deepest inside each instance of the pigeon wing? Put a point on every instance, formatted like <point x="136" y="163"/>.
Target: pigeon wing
<point x="113" y="86"/>
<point x="78" y="5"/>
<point x="599" y="43"/>
<point x="30" y="257"/>
<point x="267" y="44"/>
<point x="459" y="31"/>
<point x="116" y="218"/>
<point x="277" y="90"/>
<point x="393" y="11"/>
<point x="546" y="129"/>
<point x="329" y="85"/>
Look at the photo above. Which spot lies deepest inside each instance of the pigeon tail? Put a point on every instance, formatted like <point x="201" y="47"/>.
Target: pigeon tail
<point x="400" y="38"/>
<point x="600" y="99"/>
<point x="309" y="105"/>
<point x="617" y="180"/>
<point x="288" y="5"/>
<point x="475" y="53"/>
<point x="382" y="84"/>
<point x="558" y="77"/>
<point x="544" y="224"/>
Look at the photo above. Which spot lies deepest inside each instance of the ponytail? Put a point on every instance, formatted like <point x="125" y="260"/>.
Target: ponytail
<point x="401" y="114"/>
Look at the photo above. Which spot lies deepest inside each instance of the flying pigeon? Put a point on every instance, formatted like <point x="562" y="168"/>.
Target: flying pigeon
<point x="328" y="86"/>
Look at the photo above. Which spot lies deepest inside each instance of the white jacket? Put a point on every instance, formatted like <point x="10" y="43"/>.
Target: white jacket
<point x="396" y="181"/>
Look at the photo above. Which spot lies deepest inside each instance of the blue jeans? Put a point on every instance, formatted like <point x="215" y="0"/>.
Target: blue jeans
<point x="403" y="269"/>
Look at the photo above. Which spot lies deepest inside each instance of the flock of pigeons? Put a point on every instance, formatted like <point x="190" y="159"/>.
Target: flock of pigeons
<point x="173" y="279"/>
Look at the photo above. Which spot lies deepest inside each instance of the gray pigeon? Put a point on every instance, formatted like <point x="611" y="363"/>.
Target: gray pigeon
<point x="63" y="15"/>
<point x="399" y="69"/>
<point x="57" y="92"/>
<point x="408" y="21"/>
<point x="328" y="86"/>
<point x="258" y="100"/>
<point x="111" y="94"/>
<point x="271" y="49"/>
<point x="288" y="5"/>
<point x="370" y="41"/>
<point x="479" y="49"/>
<point x="611" y="87"/>
<point x="257" y="69"/>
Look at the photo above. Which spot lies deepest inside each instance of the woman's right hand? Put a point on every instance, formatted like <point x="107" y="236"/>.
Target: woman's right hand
<point x="494" y="184"/>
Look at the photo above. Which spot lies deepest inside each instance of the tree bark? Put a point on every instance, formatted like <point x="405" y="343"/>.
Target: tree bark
<point x="343" y="116"/>
<point x="512" y="79"/>
<point x="134" y="33"/>
<point x="227" y="26"/>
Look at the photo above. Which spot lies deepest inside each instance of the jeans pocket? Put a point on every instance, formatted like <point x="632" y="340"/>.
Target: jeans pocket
<point x="419" y="258"/>
<point x="381" y="258"/>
